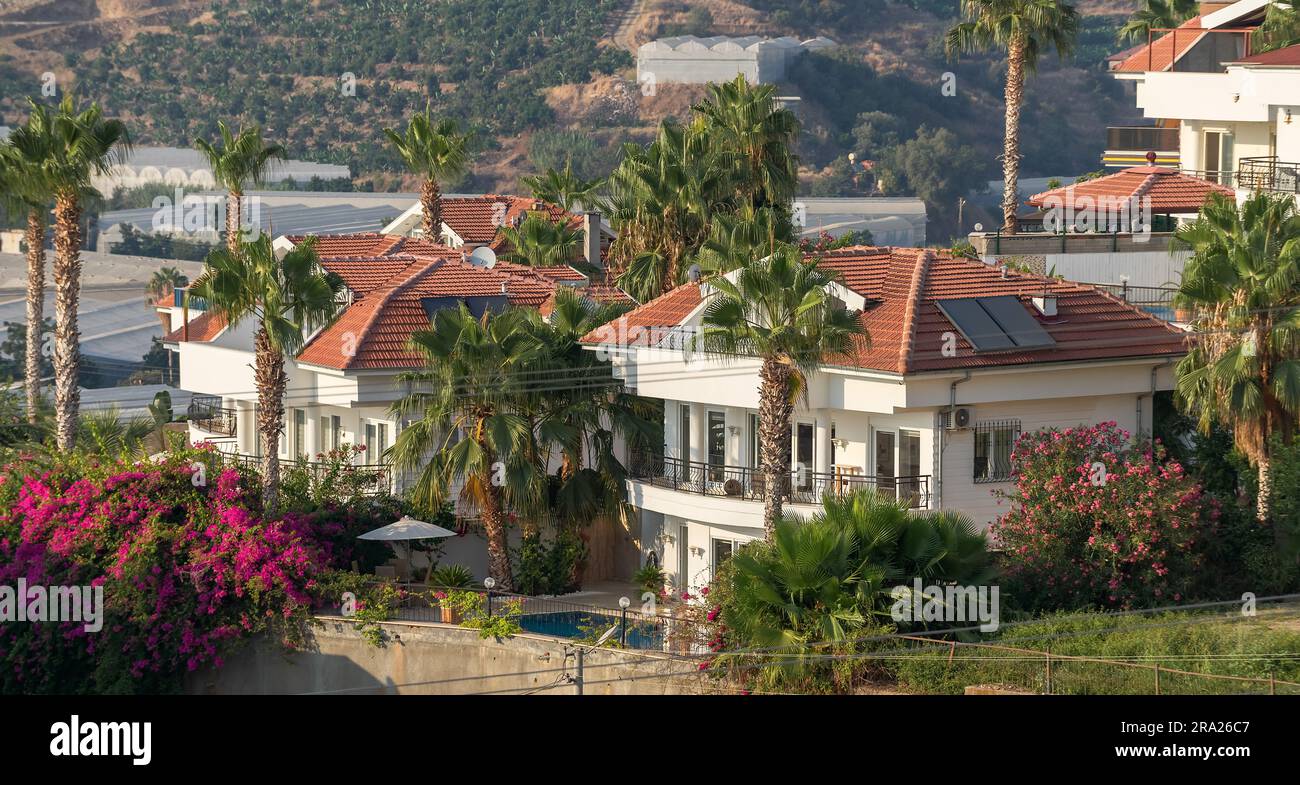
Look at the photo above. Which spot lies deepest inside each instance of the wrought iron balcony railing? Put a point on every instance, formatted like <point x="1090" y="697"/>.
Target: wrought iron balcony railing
<point x="1266" y="173"/>
<point x="749" y="483"/>
<point x="207" y="414"/>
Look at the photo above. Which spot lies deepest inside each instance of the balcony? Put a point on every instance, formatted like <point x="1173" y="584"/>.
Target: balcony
<point x="1128" y="146"/>
<point x="1266" y="173"/>
<point x="207" y="414"/>
<point x="746" y="483"/>
<point x="364" y="479"/>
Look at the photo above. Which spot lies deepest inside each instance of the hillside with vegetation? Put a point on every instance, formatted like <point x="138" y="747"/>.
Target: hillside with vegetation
<point x="543" y="82"/>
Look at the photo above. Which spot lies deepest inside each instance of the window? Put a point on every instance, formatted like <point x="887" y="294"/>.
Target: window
<point x="376" y="442"/>
<point x="331" y="432"/>
<point x="803" y="457"/>
<point x="885" y="444"/>
<point x="717" y="446"/>
<point x="722" y="550"/>
<point x="909" y="467"/>
<point x="684" y="433"/>
<point x="993" y="444"/>
<point x="1218" y="156"/>
<point x="299" y="433"/>
<point x="754" y="449"/>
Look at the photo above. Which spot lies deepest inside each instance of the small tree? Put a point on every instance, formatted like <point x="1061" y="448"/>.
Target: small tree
<point x="1097" y="522"/>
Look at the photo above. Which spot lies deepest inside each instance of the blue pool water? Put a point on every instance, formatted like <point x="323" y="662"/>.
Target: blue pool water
<point x="570" y="624"/>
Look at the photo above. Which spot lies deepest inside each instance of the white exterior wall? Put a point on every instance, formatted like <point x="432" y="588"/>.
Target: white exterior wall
<point x="1152" y="268"/>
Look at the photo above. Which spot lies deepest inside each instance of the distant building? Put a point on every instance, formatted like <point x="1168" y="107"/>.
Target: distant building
<point x="187" y="168"/>
<point x="689" y="59"/>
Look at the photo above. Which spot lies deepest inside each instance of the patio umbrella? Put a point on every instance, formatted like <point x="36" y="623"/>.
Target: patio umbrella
<point x="407" y="528"/>
<point x="404" y="530"/>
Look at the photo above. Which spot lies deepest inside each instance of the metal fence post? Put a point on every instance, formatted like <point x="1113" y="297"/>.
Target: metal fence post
<point x="1049" y="671"/>
<point x="1157" y="678"/>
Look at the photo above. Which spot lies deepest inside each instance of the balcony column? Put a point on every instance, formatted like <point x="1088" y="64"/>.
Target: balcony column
<point x="246" y="427"/>
<point x="672" y="416"/>
<point x="699" y="433"/>
<point x="822" y="443"/>
<point x="312" y="433"/>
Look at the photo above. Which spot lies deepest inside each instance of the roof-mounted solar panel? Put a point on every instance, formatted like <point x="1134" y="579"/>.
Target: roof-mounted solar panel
<point x="1016" y="322"/>
<point x="995" y="324"/>
<point x="970" y="318"/>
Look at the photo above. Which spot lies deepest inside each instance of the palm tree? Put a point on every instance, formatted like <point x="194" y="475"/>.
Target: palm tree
<point x="289" y="299"/>
<point x="821" y="582"/>
<point x="754" y="136"/>
<point x="25" y="190"/>
<point x="1281" y="27"/>
<point x="779" y="310"/>
<point x="80" y="144"/>
<point x="165" y="280"/>
<point x="563" y="188"/>
<point x="473" y="409"/>
<point x="236" y="161"/>
<point x="434" y="150"/>
<point x="736" y="238"/>
<point x="103" y="433"/>
<point x="1156" y="15"/>
<point x="1024" y="28"/>
<point x="585" y="417"/>
<point x="662" y="198"/>
<point x="539" y="241"/>
<point x="1243" y="283"/>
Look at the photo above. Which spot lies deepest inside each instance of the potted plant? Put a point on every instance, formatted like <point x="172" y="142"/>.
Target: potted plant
<point x="444" y="580"/>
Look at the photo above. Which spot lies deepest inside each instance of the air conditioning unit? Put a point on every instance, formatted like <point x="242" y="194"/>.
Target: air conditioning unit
<point x="958" y="418"/>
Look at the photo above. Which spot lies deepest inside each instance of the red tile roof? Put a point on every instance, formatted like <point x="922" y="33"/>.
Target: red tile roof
<point x="1161" y="54"/>
<point x="387" y="291"/>
<point x="1169" y="191"/>
<point x="476" y="219"/>
<point x="908" y="332"/>
<point x="203" y="328"/>
<point x="1287" y="55"/>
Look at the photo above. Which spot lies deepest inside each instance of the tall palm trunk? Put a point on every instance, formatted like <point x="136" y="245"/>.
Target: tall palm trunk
<point x="1015" y="95"/>
<point x="67" y="291"/>
<point x="774" y="413"/>
<point x="35" y="308"/>
<point x="431" y="199"/>
<point x="1263" y="500"/>
<point x="269" y="375"/>
<point x="234" y="217"/>
<point x="494" y="524"/>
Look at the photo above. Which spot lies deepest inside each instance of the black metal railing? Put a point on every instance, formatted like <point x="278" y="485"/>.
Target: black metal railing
<point x="207" y="413"/>
<point x="750" y="483"/>
<point x="363" y="478"/>
<point x="1266" y="173"/>
<point x="1155" y="300"/>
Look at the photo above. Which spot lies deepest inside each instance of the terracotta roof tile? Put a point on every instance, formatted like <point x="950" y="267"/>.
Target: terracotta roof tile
<point x="204" y="327"/>
<point x="1169" y="191"/>
<point x="1162" y="53"/>
<point x="907" y="330"/>
<point x="1287" y="55"/>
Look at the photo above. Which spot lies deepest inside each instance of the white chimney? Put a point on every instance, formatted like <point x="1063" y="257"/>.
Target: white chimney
<point x="591" y="238"/>
<point x="1046" y="305"/>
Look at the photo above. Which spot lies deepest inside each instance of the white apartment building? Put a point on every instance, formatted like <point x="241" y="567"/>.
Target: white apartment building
<point x="962" y="358"/>
<point x="1234" y="110"/>
<point x="345" y="379"/>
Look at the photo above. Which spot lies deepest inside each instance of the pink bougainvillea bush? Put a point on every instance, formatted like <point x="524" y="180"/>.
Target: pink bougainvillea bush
<point x="189" y="569"/>
<point x="1096" y="522"/>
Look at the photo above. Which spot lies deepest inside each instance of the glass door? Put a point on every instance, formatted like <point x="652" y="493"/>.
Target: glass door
<point x="885" y="463"/>
<point x="909" y="467"/>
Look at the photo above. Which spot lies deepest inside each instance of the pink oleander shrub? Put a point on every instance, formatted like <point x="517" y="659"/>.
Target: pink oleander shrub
<point x="189" y="571"/>
<point x="1069" y="542"/>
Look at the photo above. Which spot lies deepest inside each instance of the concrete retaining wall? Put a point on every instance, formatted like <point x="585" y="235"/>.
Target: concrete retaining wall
<point x="438" y="659"/>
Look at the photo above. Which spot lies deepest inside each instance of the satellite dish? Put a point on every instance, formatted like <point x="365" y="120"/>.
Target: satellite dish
<point x="483" y="257"/>
<point x="694" y="273"/>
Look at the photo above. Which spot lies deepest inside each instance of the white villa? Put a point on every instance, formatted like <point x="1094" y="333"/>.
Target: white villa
<point x="963" y="357"/>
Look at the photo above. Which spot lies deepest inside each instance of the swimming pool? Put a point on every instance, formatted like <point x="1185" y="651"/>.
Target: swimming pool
<point x="590" y="624"/>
